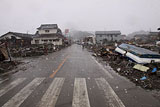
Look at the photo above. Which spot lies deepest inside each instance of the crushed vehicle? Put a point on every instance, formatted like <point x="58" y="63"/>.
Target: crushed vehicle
<point x="137" y="54"/>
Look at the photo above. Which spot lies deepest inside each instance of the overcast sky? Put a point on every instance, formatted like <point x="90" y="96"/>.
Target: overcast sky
<point x="87" y="15"/>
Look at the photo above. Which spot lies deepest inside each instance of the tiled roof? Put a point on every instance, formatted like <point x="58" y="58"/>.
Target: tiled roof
<point x="48" y="26"/>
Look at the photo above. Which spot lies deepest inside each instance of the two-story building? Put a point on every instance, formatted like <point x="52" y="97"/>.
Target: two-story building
<point x="48" y="34"/>
<point x="103" y="36"/>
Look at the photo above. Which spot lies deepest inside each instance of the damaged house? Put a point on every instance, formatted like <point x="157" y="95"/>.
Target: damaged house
<point x="15" y="39"/>
<point x="48" y="34"/>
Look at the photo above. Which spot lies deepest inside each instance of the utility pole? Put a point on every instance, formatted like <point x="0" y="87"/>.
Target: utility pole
<point x="158" y="33"/>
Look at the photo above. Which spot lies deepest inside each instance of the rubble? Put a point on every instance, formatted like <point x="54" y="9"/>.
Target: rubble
<point x="30" y="51"/>
<point x="3" y="52"/>
<point x="6" y="66"/>
<point x="148" y="78"/>
<point x="35" y="50"/>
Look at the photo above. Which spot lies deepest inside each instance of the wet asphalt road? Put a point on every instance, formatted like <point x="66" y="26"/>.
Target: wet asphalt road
<point x="70" y="78"/>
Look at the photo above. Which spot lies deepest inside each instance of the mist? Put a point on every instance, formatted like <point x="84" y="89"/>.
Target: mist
<point x="85" y="15"/>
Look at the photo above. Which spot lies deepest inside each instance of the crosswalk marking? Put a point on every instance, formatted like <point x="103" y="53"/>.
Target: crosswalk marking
<point x="18" y="99"/>
<point x="11" y="86"/>
<point x="49" y="99"/>
<point x="111" y="97"/>
<point x="80" y="94"/>
<point x="4" y="80"/>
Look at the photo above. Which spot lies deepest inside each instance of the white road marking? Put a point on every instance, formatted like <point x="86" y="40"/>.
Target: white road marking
<point x="4" y="80"/>
<point x="49" y="99"/>
<point x="103" y="68"/>
<point x="111" y="97"/>
<point x="18" y="99"/>
<point x="80" y="94"/>
<point x="11" y="86"/>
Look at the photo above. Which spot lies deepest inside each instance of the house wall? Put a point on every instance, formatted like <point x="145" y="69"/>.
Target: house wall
<point x="47" y="41"/>
<point x="100" y="38"/>
<point x="51" y="31"/>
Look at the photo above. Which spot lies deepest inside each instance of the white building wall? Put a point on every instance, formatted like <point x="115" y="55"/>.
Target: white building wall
<point x="100" y="38"/>
<point x="51" y="31"/>
<point x="41" y="41"/>
<point x="33" y="41"/>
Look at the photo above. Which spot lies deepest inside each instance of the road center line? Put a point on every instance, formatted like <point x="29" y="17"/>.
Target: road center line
<point x="102" y="68"/>
<point x="59" y="67"/>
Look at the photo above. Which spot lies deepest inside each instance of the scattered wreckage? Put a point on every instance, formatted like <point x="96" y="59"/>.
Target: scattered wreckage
<point x="139" y="65"/>
<point x="3" y="52"/>
<point x="6" y="63"/>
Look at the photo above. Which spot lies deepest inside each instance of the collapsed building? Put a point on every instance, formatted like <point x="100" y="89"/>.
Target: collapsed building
<point x="15" y="39"/>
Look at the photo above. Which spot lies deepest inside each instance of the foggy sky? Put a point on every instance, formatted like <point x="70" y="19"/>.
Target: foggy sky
<point x="87" y="15"/>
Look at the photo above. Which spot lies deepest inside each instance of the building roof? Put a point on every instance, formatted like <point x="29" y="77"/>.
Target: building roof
<point x="154" y="33"/>
<point x="48" y="26"/>
<point x="22" y="35"/>
<point x="107" y="32"/>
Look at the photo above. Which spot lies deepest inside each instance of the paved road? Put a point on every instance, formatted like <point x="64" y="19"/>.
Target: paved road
<point x="70" y="78"/>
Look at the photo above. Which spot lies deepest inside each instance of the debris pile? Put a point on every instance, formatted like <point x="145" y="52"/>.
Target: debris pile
<point x="144" y="75"/>
<point x="34" y="50"/>
<point x="3" y="52"/>
<point x="8" y="65"/>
